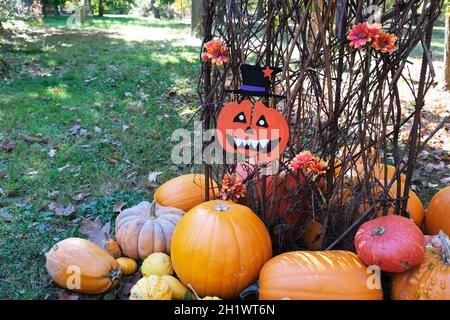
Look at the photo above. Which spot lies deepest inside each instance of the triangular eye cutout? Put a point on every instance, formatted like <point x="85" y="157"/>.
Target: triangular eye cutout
<point x="262" y="122"/>
<point x="240" y="118"/>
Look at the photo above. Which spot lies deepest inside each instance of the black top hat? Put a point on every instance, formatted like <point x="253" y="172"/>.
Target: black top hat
<point x="256" y="81"/>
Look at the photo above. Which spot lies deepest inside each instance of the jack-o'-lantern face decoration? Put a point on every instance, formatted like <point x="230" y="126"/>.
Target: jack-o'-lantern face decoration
<point x="262" y="134"/>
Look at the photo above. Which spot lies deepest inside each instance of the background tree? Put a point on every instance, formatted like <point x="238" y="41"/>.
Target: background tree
<point x="447" y="47"/>
<point x="101" y="8"/>
<point x="196" y="17"/>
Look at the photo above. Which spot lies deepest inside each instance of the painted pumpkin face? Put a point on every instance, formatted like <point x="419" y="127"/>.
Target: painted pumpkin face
<point x="262" y="134"/>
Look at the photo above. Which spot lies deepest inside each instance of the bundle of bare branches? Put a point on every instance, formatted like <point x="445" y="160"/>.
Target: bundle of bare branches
<point x="342" y="103"/>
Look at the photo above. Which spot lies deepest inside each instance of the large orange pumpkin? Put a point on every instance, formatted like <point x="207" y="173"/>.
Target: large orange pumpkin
<point x="415" y="207"/>
<point x="146" y="228"/>
<point x="430" y="280"/>
<point x="344" y="155"/>
<point x="82" y="266"/>
<point x="438" y="213"/>
<point x="219" y="247"/>
<point x="378" y="171"/>
<point x="317" y="275"/>
<point x="183" y="192"/>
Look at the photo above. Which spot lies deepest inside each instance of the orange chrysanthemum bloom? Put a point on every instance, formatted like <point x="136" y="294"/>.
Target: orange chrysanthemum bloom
<point x="301" y="161"/>
<point x="232" y="188"/>
<point x="363" y="33"/>
<point x="308" y="163"/>
<point x="385" y="42"/>
<point x="318" y="166"/>
<point x="216" y="52"/>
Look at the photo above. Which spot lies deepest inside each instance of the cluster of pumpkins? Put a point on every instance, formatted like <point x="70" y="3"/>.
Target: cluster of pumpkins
<point x="218" y="248"/>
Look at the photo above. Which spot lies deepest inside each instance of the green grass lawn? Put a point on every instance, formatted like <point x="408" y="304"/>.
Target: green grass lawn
<point x="73" y="91"/>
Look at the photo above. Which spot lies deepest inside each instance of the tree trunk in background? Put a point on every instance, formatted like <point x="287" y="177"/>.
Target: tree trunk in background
<point x="4" y="68"/>
<point x="155" y="9"/>
<point x="37" y="10"/>
<point x="197" y="18"/>
<point x="447" y="52"/>
<point x="101" y="9"/>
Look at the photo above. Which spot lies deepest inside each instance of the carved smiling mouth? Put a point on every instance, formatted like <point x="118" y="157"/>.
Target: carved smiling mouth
<point x="262" y="145"/>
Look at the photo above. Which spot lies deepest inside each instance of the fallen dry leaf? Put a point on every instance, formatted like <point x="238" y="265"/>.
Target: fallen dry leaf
<point x="445" y="180"/>
<point x="31" y="139"/>
<point x="52" y="153"/>
<point x="126" y="285"/>
<point x="63" y="168"/>
<point x="67" y="295"/>
<point x="6" y="216"/>
<point x="95" y="231"/>
<point x="81" y="196"/>
<point x="60" y="210"/>
<point x="75" y="129"/>
<point x="152" y="179"/>
<point x="430" y="167"/>
<point x="8" y="145"/>
<point x="135" y="105"/>
<point x="118" y="207"/>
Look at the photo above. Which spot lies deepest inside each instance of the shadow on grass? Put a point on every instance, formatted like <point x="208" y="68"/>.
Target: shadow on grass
<point x="117" y="21"/>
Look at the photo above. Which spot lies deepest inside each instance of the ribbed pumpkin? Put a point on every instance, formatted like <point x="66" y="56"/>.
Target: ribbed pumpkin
<point x="218" y="248"/>
<point x="151" y="288"/>
<point x="378" y="171"/>
<point x="98" y="271"/>
<point x="317" y="275"/>
<point x="415" y="207"/>
<point x="394" y="243"/>
<point x="430" y="280"/>
<point x="438" y="213"/>
<point x="146" y="228"/>
<point x="183" y="192"/>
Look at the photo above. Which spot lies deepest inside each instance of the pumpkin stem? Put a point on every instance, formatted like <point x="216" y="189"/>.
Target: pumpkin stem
<point x="378" y="231"/>
<point x="195" y="292"/>
<point x="222" y="207"/>
<point x="152" y="212"/>
<point x="252" y="289"/>
<point x="114" y="275"/>
<point x="445" y="247"/>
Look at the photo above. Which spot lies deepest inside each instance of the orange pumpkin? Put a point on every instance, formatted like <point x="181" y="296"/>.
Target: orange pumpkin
<point x="82" y="266"/>
<point x="344" y="155"/>
<point x="430" y="280"/>
<point x="438" y="213"/>
<point x="219" y="247"/>
<point x="127" y="265"/>
<point x="415" y="207"/>
<point x="379" y="172"/>
<point x="146" y="228"/>
<point x="317" y="275"/>
<point x="311" y="236"/>
<point x="184" y="192"/>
